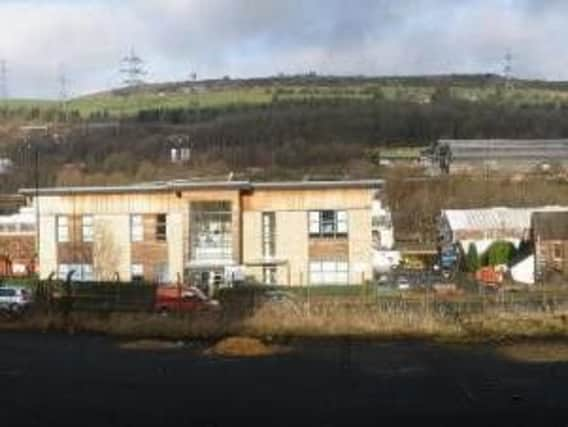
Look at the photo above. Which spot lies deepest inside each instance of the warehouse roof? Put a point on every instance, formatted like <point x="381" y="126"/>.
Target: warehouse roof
<point x="177" y="185"/>
<point x="494" y="218"/>
<point x="506" y="148"/>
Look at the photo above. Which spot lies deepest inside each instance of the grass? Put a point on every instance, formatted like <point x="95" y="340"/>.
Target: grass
<point x="321" y="317"/>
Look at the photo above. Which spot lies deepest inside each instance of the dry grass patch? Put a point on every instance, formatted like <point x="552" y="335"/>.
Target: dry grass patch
<point x="335" y="319"/>
<point x="535" y="352"/>
<point x="517" y="325"/>
<point x="244" y="347"/>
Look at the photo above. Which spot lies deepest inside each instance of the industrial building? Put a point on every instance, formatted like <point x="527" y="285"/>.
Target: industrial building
<point x="482" y="227"/>
<point x="288" y="233"/>
<point x="471" y="155"/>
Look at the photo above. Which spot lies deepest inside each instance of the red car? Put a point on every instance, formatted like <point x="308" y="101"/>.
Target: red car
<point x="184" y="299"/>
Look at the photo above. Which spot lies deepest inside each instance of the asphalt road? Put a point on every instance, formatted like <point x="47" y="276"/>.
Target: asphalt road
<point x="59" y="380"/>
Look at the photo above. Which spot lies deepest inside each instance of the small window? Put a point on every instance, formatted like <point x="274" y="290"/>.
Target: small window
<point x="136" y="228"/>
<point x="558" y="251"/>
<point x="62" y="228"/>
<point x="329" y="272"/>
<point x="137" y="272"/>
<point x="161" y="227"/>
<point x="328" y="224"/>
<point x="87" y="228"/>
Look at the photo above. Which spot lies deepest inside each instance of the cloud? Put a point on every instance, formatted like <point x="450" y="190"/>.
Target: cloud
<point x="263" y="37"/>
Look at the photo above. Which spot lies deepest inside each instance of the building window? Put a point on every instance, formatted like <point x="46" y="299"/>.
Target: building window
<point x="136" y="228"/>
<point x="558" y="251"/>
<point x="81" y="272"/>
<point x="268" y="234"/>
<point x="137" y="272"/>
<point x="211" y="234"/>
<point x="87" y="228"/>
<point x="62" y="228"/>
<point x="161" y="227"/>
<point x="269" y="275"/>
<point x="328" y="223"/>
<point x="329" y="273"/>
<point x="161" y="275"/>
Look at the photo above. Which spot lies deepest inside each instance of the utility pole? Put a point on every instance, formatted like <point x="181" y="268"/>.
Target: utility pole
<point x="63" y="84"/>
<point x="132" y="69"/>
<point x="508" y="70"/>
<point x="3" y="79"/>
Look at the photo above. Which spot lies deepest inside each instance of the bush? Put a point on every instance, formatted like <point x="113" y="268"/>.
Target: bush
<point x="500" y="252"/>
<point x="472" y="261"/>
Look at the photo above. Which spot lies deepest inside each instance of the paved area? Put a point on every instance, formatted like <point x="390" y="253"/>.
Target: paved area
<point x="59" y="380"/>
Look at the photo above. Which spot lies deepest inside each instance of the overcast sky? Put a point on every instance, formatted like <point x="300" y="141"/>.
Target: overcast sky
<point x="244" y="38"/>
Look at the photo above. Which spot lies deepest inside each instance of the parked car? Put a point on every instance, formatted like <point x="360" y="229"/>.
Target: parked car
<point x="186" y="299"/>
<point x="14" y="299"/>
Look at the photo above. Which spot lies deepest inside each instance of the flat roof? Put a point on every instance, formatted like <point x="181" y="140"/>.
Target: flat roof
<point x="180" y="185"/>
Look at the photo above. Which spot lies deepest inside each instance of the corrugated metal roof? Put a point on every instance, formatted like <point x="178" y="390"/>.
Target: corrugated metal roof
<point x="494" y="218"/>
<point x="160" y="186"/>
<point x="369" y="183"/>
<point x="530" y="149"/>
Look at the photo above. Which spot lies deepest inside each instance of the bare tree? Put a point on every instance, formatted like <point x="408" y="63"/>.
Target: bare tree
<point x="105" y="253"/>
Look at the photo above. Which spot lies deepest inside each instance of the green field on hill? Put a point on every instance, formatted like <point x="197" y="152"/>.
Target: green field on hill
<point x="242" y="93"/>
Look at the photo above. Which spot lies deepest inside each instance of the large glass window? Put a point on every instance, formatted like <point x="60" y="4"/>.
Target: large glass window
<point x="328" y="223"/>
<point x="161" y="275"/>
<point x="329" y="272"/>
<point x="268" y="234"/>
<point x="211" y="231"/>
<point x="62" y="228"/>
<point x="136" y="228"/>
<point x="269" y="275"/>
<point x="87" y="228"/>
<point x="81" y="272"/>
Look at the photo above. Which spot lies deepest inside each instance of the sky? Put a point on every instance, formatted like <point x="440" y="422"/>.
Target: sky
<point x="86" y="39"/>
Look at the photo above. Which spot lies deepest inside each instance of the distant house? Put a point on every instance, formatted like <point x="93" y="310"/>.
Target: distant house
<point x="462" y="155"/>
<point x="550" y="235"/>
<point x="17" y="243"/>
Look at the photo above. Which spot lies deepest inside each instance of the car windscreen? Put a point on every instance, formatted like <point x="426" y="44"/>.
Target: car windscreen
<point x="7" y="292"/>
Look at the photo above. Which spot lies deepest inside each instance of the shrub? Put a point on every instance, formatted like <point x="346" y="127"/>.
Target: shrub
<point x="472" y="261"/>
<point x="500" y="252"/>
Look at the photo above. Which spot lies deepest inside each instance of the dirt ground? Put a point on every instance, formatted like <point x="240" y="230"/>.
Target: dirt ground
<point x="60" y="380"/>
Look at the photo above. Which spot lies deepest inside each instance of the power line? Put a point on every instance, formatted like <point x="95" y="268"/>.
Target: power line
<point x="63" y="84"/>
<point x="3" y="79"/>
<point x="132" y="69"/>
<point x="508" y="69"/>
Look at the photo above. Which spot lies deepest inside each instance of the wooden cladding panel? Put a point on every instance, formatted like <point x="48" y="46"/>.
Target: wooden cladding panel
<point x="149" y="254"/>
<point x="74" y="253"/>
<point x="329" y="248"/>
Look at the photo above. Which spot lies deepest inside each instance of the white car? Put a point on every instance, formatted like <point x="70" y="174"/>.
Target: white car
<point x="14" y="298"/>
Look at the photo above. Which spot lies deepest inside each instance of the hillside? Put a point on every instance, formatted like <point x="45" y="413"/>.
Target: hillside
<point x="269" y="128"/>
<point x="221" y="94"/>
